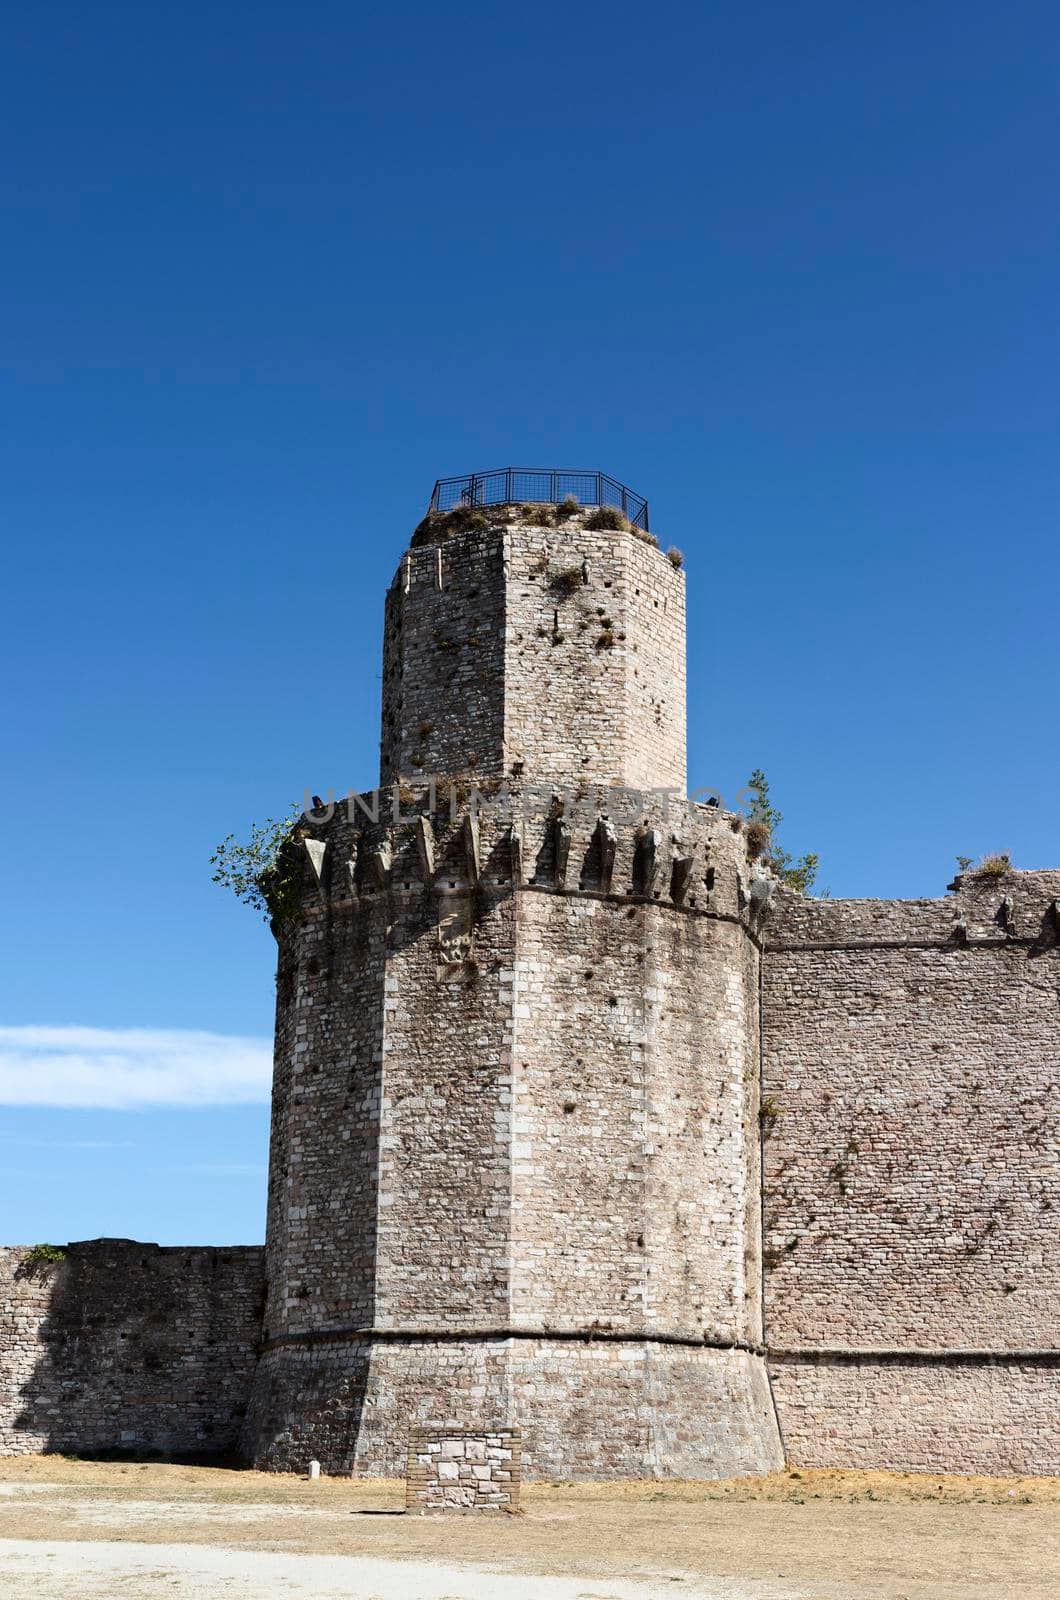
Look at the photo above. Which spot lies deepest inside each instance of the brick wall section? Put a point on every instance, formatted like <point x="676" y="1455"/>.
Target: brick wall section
<point x="939" y="1415"/>
<point x="462" y="1471"/>
<point x="128" y="1347"/>
<point x="912" y="1182"/>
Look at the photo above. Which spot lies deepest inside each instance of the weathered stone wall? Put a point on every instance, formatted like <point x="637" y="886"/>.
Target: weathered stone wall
<point x="911" y="1069"/>
<point x="565" y="1065"/>
<point x="635" y="1171"/>
<point x="454" y="1470"/>
<point x="920" y="1414"/>
<point x="555" y="652"/>
<point x="587" y="1408"/>
<point x="128" y="1347"/>
<point x="443" y="659"/>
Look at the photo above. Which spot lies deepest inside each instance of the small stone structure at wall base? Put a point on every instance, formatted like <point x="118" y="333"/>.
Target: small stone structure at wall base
<point x="453" y="1470"/>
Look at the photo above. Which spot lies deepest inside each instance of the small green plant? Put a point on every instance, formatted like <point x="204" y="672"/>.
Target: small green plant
<point x="264" y="871"/>
<point x="607" y="517"/>
<point x="963" y="863"/>
<point x="44" y="1255"/>
<point x="675" y="558"/>
<point x="768" y="1113"/>
<point x="570" y="507"/>
<point x="642" y="533"/>
<point x="606" y="640"/>
<point x="799" y="874"/>
<point x="567" y="582"/>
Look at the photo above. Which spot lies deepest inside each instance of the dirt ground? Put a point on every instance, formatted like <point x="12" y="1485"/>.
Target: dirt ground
<point x="79" y="1528"/>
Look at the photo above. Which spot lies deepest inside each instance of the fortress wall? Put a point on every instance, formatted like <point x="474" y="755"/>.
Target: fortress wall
<point x="655" y="670"/>
<point x="554" y="652"/>
<point x="587" y="1409"/>
<point x="565" y="703"/>
<point x="128" y="1347"/>
<point x="911" y="1175"/>
<point x="484" y="984"/>
<point x="445" y="1159"/>
<point x="635" y="1176"/>
<point x="443" y="659"/>
<point x="594" y="669"/>
<point x="919" y="1416"/>
<point x="325" y="1117"/>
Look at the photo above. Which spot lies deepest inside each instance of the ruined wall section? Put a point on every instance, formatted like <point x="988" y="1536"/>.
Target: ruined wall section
<point x="129" y="1348"/>
<point x="911" y="1072"/>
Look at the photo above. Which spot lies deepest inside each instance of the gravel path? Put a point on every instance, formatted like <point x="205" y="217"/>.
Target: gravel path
<point x="54" y="1570"/>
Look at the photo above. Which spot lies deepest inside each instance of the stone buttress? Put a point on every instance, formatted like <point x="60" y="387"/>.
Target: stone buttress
<point x="514" y="1175"/>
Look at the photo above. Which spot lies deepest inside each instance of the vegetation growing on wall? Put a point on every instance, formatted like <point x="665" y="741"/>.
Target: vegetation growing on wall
<point x="798" y="873"/>
<point x="265" y="871"/>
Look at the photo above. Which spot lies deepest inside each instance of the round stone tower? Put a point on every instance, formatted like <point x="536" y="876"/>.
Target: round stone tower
<point x="514" y="1172"/>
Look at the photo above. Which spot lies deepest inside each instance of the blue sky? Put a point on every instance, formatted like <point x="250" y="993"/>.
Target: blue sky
<point x="268" y="270"/>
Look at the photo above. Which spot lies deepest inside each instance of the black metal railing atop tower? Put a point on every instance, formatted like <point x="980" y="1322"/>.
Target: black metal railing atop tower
<point x="545" y="485"/>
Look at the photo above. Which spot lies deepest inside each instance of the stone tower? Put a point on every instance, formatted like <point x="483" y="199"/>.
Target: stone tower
<point x="514" y="1174"/>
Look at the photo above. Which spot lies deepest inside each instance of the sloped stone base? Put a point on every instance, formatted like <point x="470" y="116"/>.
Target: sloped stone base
<point x="587" y="1409"/>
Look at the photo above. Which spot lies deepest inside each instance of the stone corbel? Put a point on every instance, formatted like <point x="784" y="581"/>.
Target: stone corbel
<point x="607" y="844"/>
<point x="647" y="862"/>
<point x="378" y="864"/>
<point x="515" y="852"/>
<point x="680" y="877"/>
<point x="316" y="849"/>
<point x="425" y="847"/>
<point x="560" y="851"/>
<point x="472" y="847"/>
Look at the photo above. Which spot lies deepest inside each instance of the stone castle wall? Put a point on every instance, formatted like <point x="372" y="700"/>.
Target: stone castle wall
<point x="129" y="1348"/>
<point x="912" y="1186"/>
<point x="564" y="1079"/>
<point x="575" y="1115"/>
<point x="557" y="653"/>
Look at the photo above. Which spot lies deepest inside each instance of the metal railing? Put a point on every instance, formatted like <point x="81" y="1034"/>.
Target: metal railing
<point x="538" y="485"/>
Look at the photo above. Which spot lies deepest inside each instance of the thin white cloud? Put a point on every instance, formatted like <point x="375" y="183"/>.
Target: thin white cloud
<point x="128" y="1069"/>
<point x="65" y="1144"/>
